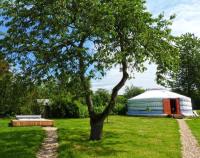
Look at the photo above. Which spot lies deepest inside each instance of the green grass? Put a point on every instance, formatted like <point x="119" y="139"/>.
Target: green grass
<point x="19" y="142"/>
<point x="124" y="137"/>
<point x="194" y="125"/>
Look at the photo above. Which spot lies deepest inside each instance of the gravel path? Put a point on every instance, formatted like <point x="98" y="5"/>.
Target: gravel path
<point x="50" y="144"/>
<point x="190" y="147"/>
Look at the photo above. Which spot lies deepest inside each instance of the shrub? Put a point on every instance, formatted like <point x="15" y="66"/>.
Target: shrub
<point x="83" y="110"/>
<point x="119" y="109"/>
<point x="101" y="97"/>
<point x="132" y="91"/>
<point x="62" y="107"/>
<point x="66" y="107"/>
<point x="99" y="109"/>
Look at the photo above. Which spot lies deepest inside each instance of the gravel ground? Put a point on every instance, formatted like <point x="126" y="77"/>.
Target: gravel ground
<point x="50" y="144"/>
<point x="190" y="147"/>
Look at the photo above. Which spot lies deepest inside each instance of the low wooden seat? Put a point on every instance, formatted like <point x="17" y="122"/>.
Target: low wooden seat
<point x="31" y="120"/>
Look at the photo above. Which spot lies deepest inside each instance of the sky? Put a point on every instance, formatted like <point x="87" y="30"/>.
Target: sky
<point x="187" y="20"/>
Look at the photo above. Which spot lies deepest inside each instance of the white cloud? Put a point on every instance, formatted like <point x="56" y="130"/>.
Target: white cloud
<point x="187" y="20"/>
<point x="145" y="80"/>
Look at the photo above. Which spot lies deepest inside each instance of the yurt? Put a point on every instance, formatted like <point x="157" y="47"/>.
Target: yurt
<point x="159" y="102"/>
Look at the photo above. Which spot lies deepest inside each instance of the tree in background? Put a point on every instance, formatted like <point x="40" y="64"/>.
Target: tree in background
<point x="187" y="79"/>
<point x="85" y="38"/>
<point x="101" y="97"/>
<point x="132" y="91"/>
<point x="17" y="94"/>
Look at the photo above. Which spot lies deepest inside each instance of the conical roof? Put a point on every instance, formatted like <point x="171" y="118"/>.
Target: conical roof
<point x="159" y="93"/>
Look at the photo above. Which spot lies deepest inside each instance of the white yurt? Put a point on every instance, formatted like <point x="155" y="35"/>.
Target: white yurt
<point x="159" y="102"/>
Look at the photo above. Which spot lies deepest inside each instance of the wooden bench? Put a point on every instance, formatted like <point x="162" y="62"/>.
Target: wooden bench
<point x="31" y="120"/>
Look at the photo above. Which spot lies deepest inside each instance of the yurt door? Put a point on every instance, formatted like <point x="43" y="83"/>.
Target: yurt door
<point x="171" y="106"/>
<point x="178" y="111"/>
<point x="166" y="106"/>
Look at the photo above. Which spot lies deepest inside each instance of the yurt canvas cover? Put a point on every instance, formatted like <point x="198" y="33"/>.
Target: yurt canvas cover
<point x="159" y="103"/>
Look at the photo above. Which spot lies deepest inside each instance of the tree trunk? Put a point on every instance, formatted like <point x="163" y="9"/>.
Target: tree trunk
<point x="96" y="129"/>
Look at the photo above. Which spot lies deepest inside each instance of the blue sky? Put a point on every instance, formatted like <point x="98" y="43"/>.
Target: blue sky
<point x="187" y="20"/>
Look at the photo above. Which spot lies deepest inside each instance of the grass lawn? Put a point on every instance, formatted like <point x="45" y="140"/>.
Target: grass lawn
<point x="194" y="125"/>
<point x="124" y="137"/>
<point x="19" y="142"/>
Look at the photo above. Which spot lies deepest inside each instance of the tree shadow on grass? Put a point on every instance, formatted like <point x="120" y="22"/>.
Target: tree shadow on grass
<point x="74" y="144"/>
<point x="20" y="143"/>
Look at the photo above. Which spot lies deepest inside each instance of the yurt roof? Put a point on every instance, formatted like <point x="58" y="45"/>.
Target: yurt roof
<point x="159" y="93"/>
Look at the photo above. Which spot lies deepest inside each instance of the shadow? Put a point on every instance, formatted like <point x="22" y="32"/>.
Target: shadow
<point x="122" y="137"/>
<point x="20" y="142"/>
<point x="73" y="142"/>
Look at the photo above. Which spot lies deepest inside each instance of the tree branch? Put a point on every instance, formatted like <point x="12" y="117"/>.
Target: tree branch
<point x="85" y="81"/>
<point x="115" y="90"/>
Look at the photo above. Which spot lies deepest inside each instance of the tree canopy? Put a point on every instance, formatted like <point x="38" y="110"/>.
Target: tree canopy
<point x="132" y="91"/>
<point x="187" y="79"/>
<point x="86" y="38"/>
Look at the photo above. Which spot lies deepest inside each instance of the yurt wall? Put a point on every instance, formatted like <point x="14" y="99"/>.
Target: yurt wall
<point x="145" y="107"/>
<point x="160" y="103"/>
<point x="186" y="107"/>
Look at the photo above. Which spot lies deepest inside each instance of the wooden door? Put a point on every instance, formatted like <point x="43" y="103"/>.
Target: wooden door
<point x="166" y="106"/>
<point x="178" y="106"/>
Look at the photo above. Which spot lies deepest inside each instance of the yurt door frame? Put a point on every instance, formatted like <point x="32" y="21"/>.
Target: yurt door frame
<point x="171" y="106"/>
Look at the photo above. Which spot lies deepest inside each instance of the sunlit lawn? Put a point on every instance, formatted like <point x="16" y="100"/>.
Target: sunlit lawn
<point x="194" y="125"/>
<point x="19" y="142"/>
<point x="124" y="137"/>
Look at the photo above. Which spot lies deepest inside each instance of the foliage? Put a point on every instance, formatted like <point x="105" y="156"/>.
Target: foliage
<point x="19" y="142"/>
<point x="99" y="109"/>
<point x="101" y="97"/>
<point x="24" y="101"/>
<point x="121" y="99"/>
<point x="187" y="79"/>
<point x="119" y="109"/>
<point x="64" y="107"/>
<point x="132" y="91"/>
<point x="124" y="137"/>
<point x="46" y="40"/>
<point x="17" y="94"/>
<point x="4" y="67"/>
<point x="83" y="111"/>
<point x="85" y="39"/>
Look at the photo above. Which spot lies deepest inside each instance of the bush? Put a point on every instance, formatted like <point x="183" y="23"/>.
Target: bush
<point x="83" y="110"/>
<point x="100" y="98"/>
<point x="119" y="109"/>
<point x="132" y="91"/>
<point x="99" y="109"/>
<point x="64" y="107"/>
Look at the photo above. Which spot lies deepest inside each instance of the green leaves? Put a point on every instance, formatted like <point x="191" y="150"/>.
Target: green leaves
<point x="186" y="79"/>
<point x="102" y="33"/>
